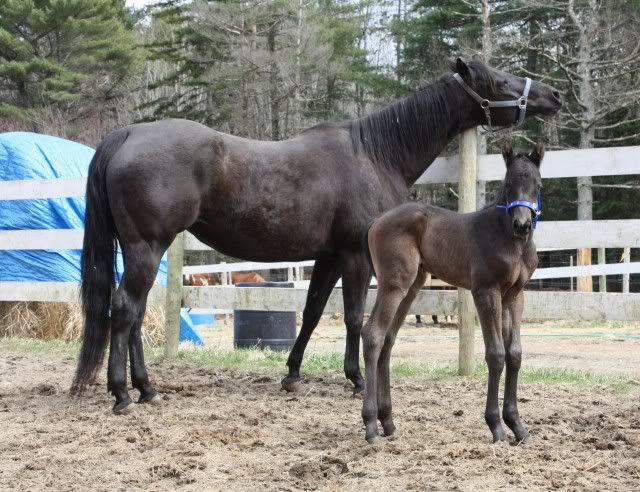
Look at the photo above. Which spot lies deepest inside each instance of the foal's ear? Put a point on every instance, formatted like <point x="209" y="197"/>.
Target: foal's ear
<point x="507" y="153"/>
<point x="537" y="154"/>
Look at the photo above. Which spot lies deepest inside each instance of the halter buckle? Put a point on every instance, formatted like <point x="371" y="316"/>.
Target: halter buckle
<point x="484" y="104"/>
<point x="522" y="103"/>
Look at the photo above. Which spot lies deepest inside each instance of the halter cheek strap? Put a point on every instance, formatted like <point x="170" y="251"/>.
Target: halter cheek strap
<point x="486" y="105"/>
<point x="534" y="207"/>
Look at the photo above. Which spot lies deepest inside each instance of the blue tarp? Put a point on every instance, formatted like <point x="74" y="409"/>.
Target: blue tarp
<point x="25" y="155"/>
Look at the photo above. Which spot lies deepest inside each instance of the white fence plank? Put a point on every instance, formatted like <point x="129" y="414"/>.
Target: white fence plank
<point x="538" y="305"/>
<point x="30" y="189"/>
<point x="42" y="239"/>
<point x="566" y="234"/>
<point x="57" y="292"/>
<point x="587" y="270"/>
<point x="244" y="266"/>
<point x="557" y="164"/>
<point x="573" y="234"/>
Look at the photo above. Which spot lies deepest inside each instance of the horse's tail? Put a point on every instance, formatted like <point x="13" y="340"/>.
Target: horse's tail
<point x="97" y="264"/>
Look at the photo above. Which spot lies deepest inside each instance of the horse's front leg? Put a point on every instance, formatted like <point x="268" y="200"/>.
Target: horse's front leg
<point x="489" y="305"/>
<point x="356" y="277"/>
<point x="511" y="317"/>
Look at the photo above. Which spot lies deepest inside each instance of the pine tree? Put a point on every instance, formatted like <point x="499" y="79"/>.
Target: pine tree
<point x="70" y="54"/>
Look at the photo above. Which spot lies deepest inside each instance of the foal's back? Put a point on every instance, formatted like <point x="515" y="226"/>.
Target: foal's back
<point x="464" y="250"/>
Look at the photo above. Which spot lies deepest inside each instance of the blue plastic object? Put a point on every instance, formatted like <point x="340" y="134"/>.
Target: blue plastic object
<point x="25" y="155"/>
<point x="187" y="331"/>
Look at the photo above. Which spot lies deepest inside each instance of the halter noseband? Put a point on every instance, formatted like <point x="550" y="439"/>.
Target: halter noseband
<point x="534" y="207"/>
<point x="486" y="105"/>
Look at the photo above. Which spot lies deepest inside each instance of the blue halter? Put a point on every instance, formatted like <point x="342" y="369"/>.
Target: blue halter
<point x="534" y="207"/>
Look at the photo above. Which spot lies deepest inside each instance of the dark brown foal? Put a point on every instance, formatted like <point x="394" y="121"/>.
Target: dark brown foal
<point x="490" y="252"/>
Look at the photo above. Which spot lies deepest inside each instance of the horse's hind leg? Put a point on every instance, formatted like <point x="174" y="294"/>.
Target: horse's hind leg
<point x="323" y="279"/>
<point x="356" y="277"/>
<point x="384" y="377"/>
<point x="127" y="309"/>
<point x="511" y="316"/>
<point x="139" y="376"/>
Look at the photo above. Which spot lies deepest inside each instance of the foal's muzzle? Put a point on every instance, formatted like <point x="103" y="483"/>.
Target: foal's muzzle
<point x="521" y="228"/>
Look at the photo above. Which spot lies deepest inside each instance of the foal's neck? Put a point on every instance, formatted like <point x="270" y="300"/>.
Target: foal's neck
<point x="409" y="134"/>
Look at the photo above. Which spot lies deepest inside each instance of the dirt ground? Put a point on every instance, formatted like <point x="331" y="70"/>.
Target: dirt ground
<point x="214" y="429"/>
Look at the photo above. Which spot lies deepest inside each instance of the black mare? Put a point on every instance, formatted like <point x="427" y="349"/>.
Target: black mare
<point x="310" y="197"/>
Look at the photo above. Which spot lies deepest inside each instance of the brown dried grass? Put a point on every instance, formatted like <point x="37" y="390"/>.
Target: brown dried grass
<point x="47" y="320"/>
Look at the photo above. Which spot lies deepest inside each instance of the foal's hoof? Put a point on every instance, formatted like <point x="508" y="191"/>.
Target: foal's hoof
<point x="122" y="407"/>
<point x="291" y="384"/>
<point x="521" y="436"/>
<point x="374" y="439"/>
<point x="147" y="395"/>
<point x="499" y="435"/>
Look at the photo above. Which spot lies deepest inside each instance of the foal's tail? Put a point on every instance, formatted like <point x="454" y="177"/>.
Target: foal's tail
<point x="97" y="264"/>
<point x="366" y="248"/>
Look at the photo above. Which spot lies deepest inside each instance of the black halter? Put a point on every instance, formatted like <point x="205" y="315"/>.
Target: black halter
<point x="486" y="105"/>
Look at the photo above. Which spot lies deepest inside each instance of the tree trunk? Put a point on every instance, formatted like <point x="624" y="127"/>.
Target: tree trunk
<point x="273" y="80"/>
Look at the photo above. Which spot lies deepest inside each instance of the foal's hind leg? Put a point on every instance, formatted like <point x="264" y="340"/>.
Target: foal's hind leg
<point x="384" y="377"/>
<point x="127" y="309"/>
<point x="356" y="277"/>
<point x="511" y="316"/>
<point x="323" y="279"/>
<point x="374" y="335"/>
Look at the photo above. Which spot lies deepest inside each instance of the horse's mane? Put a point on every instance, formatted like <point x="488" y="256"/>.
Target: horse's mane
<point x="408" y="126"/>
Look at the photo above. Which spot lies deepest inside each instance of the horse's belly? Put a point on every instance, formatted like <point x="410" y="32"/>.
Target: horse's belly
<point x="265" y="243"/>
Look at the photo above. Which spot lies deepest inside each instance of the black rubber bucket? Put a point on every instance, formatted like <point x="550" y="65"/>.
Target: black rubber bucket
<point x="273" y="329"/>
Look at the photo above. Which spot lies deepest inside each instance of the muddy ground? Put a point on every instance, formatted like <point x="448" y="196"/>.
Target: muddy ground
<point x="214" y="429"/>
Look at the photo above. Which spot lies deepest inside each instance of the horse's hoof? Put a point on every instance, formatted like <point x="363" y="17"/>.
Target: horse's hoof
<point x="122" y="407"/>
<point x="291" y="384"/>
<point x="358" y="386"/>
<point x="147" y="395"/>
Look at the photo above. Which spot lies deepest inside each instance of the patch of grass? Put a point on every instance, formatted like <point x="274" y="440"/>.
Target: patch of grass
<point x="326" y="363"/>
<point x="16" y="344"/>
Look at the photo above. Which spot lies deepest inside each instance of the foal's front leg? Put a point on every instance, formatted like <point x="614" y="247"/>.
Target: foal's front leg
<point x="489" y="305"/>
<point x="511" y="316"/>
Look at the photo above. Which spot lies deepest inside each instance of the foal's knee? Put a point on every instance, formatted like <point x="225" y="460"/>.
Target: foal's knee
<point x="514" y="357"/>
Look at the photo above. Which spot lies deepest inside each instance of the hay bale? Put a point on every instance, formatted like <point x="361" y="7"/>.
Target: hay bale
<point x="47" y="320"/>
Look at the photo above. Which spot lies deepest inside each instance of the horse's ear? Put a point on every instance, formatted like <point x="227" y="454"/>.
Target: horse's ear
<point x="537" y="154"/>
<point x="462" y="68"/>
<point x="507" y="153"/>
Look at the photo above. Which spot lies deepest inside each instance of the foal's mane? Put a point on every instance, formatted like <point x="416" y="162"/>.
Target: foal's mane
<point x="409" y="126"/>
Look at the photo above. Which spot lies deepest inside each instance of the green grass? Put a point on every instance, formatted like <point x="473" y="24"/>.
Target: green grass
<point x="324" y="363"/>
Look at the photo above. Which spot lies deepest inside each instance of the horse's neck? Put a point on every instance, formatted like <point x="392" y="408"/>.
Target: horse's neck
<point x="457" y="117"/>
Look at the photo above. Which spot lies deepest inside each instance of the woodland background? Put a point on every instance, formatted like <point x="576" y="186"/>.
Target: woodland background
<point x="268" y="68"/>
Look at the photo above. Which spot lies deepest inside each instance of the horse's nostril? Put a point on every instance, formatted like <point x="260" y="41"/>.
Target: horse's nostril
<point x="556" y="94"/>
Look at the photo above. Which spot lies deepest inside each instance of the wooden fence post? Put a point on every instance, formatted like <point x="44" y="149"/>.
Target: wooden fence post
<point x="602" y="260"/>
<point x="625" y="277"/>
<point x="467" y="203"/>
<point x="173" y="303"/>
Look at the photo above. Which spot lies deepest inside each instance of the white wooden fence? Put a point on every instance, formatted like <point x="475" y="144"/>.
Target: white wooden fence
<point x="539" y="305"/>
